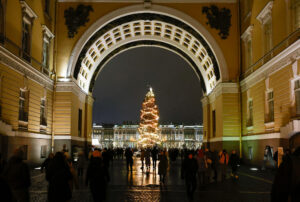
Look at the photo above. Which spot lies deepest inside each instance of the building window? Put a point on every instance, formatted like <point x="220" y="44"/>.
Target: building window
<point x="247" y="39"/>
<point x="249" y="53"/>
<point x="250" y="153"/>
<point x="46" y="48"/>
<point x="297" y="96"/>
<point x="214" y="123"/>
<point x="26" y="41"/>
<point x="265" y="18"/>
<point x="45" y="54"/>
<point x="43" y="115"/>
<point x="47" y="7"/>
<point x="28" y="17"/>
<point x="296" y="14"/>
<point x="23" y="108"/>
<point x="79" y="122"/>
<point x="267" y="37"/>
<point x="250" y="113"/>
<point x="270" y="105"/>
<point x="43" y="151"/>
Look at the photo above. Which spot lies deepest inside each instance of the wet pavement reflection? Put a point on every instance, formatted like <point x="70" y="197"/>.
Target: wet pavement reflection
<point x="140" y="185"/>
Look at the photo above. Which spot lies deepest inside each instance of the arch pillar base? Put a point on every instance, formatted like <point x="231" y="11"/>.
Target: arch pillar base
<point x="222" y="118"/>
<point x="72" y="118"/>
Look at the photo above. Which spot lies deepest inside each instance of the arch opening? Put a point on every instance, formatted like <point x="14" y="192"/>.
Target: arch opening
<point x="122" y="84"/>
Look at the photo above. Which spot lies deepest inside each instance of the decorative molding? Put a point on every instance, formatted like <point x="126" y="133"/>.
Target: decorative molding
<point x="155" y="9"/>
<point x="71" y="87"/>
<point x="17" y="64"/>
<point x="222" y="139"/>
<point x="223" y="88"/>
<point x="205" y="101"/>
<point x="153" y="1"/>
<point x="278" y="62"/>
<point x="76" y="18"/>
<point x="69" y="137"/>
<point x="47" y="32"/>
<point x="28" y="10"/>
<point x="247" y="35"/>
<point x="262" y="137"/>
<point x="266" y="13"/>
<point x="219" y="19"/>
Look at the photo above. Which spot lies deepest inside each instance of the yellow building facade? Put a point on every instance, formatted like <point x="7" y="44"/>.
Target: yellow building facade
<point x="245" y="54"/>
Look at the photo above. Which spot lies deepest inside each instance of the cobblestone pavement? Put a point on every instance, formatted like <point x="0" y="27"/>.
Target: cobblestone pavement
<point x="139" y="186"/>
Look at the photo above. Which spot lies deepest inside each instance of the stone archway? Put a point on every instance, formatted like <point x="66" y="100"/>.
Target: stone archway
<point x="136" y="26"/>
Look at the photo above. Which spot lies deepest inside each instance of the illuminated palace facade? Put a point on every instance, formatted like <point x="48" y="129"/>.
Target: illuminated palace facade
<point x="172" y="136"/>
<point x="247" y="62"/>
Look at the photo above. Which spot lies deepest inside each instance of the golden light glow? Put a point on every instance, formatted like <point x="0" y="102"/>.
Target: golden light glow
<point x="148" y="128"/>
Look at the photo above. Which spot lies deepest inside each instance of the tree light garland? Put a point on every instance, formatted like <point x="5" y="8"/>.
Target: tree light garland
<point x="148" y="128"/>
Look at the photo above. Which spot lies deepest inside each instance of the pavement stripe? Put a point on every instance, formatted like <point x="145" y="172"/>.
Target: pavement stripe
<point x="257" y="178"/>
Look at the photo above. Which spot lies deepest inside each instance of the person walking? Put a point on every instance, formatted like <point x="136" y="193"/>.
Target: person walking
<point x="223" y="162"/>
<point x="215" y="164"/>
<point x="17" y="175"/>
<point x="80" y="164"/>
<point x="233" y="162"/>
<point x="47" y="161"/>
<point x="208" y="156"/>
<point x="147" y="159"/>
<point x="97" y="177"/>
<point x="202" y="167"/>
<point x="142" y="158"/>
<point x="162" y="167"/>
<point x="60" y="179"/>
<point x="129" y="159"/>
<point x="188" y="172"/>
<point x="154" y="154"/>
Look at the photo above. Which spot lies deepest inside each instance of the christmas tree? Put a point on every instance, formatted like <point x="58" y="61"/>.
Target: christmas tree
<point x="148" y="128"/>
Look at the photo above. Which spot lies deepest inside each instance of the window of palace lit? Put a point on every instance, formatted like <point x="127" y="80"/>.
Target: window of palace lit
<point x="265" y="18"/>
<point x="28" y="18"/>
<point x="142" y="29"/>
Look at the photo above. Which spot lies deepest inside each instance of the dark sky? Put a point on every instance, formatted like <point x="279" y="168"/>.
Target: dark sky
<point x="122" y="85"/>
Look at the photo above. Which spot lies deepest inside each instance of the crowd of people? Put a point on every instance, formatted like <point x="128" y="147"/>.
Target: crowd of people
<point x="200" y="166"/>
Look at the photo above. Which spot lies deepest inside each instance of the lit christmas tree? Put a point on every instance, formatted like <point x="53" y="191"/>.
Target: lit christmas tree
<point x="148" y="128"/>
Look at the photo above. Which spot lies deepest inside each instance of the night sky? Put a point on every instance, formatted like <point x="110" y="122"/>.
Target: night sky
<point x="122" y="85"/>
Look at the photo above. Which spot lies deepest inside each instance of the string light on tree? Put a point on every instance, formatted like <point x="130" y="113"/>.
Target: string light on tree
<point x="148" y="128"/>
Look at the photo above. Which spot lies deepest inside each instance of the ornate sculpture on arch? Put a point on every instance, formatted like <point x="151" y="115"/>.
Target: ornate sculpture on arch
<point x="219" y="19"/>
<point x="76" y="18"/>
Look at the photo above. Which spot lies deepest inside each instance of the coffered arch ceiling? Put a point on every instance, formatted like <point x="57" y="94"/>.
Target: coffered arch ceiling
<point x="146" y="27"/>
